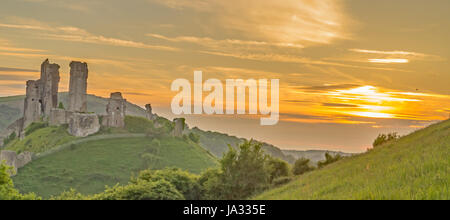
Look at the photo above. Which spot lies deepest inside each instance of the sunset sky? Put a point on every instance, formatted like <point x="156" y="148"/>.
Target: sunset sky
<point x="348" y="69"/>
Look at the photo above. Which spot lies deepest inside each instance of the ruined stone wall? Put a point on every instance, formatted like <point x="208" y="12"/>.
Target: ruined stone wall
<point x="78" y="87"/>
<point x="16" y="161"/>
<point x="83" y="125"/>
<point x="49" y="89"/>
<point x="179" y="127"/>
<point x="116" y="111"/>
<point x="33" y="103"/>
<point x="58" y="117"/>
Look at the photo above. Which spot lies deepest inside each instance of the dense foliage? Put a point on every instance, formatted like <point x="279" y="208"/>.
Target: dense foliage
<point x="329" y="159"/>
<point x="302" y="166"/>
<point x="385" y="138"/>
<point x="7" y="190"/>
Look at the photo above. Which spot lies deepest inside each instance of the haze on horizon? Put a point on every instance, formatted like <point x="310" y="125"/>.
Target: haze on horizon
<point x="348" y="69"/>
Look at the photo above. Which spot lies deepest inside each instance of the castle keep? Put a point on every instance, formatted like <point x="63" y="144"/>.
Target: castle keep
<point x="41" y="102"/>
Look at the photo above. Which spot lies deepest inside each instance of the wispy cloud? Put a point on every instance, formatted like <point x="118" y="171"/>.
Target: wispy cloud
<point x="75" y="34"/>
<point x="289" y="21"/>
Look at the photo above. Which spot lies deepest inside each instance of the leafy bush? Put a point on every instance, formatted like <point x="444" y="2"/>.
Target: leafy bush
<point x="329" y="159"/>
<point x="7" y="190"/>
<point x="69" y="195"/>
<point x="302" y="166"/>
<point x="141" y="190"/>
<point x="242" y="174"/>
<point x="185" y="182"/>
<point x="277" y="168"/>
<point x="61" y="105"/>
<point x="385" y="138"/>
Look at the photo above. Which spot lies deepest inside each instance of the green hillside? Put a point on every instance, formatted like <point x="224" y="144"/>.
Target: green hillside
<point x="11" y="109"/>
<point x="218" y="144"/>
<point x="415" y="167"/>
<point x="89" y="167"/>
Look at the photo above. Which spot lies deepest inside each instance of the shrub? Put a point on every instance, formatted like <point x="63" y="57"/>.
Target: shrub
<point x="302" y="166"/>
<point x="61" y="105"/>
<point x="186" y="183"/>
<point x="385" y="138"/>
<point x="242" y="174"/>
<point x="141" y="190"/>
<point x="7" y="190"/>
<point x="277" y="168"/>
<point x="329" y="159"/>
<point x="69" y="195"/>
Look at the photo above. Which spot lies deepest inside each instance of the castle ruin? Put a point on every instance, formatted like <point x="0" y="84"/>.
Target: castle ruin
<point x="78" y="87"/>
<point x="116" y="111"/>
<point x="41" y="103"/>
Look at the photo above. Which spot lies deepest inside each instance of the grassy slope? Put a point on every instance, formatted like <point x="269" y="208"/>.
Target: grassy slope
<point x="41" y="140"/>
<point x="217" y="143"/>
<point x="90" y="166"/>
<point x="415" y="167"/>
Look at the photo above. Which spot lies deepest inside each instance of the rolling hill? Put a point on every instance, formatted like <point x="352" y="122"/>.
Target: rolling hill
<point x="11" y="109"/>
<point x="415" y="167"/>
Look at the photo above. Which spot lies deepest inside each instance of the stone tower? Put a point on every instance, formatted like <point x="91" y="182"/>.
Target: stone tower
<point x="78" y="87"/>
<point x="116" y="110"/>
<point x="49" y="86"/>
<point x="33" y="103"/>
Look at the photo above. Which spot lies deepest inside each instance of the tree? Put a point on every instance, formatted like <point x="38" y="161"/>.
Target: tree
<point x="242" y="173"/>
<point x="302" y="166"/>
<point x="184" y="182"/>
<point x="385" y="138"/>
<point x="7" y="190"/>
<point x="329" y="159"/>
<point x="141" y="190"/>
<point x="277" y="168"/>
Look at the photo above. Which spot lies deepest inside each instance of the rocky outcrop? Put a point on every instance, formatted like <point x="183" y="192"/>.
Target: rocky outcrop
<point x="83" y="125"/>
<point x="78" y="87"/>
<point x="10" y="158"/>
<point x="116" y="111"/>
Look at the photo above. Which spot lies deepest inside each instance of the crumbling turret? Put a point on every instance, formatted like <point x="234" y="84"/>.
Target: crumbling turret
<point x="49" y="86"/>
<point x="116" y="111"/>
<point x="33" y="103"/>
<point x="78" y="87"/>
<point x="179" y="127"/>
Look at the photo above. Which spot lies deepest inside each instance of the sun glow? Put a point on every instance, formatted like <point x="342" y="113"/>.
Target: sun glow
<point x="388" y="60"/>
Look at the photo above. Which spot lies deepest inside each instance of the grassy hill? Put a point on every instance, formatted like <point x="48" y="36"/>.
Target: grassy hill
<point x="217" y="144"/>
<point x="110" y="157"/>
<point x="88" y="167"/>
<point x="11" y="109"/>
<point x="415" y="167"/>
